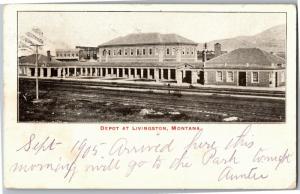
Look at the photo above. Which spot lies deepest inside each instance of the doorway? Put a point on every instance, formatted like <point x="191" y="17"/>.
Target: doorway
<point x="276" y="79"/>
<point x="201" y="78"/>
<point x="242" y="78"/>
<point x="188" y="77"/>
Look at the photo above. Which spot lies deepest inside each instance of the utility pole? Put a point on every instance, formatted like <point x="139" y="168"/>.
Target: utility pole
<point x="36" y="70"/>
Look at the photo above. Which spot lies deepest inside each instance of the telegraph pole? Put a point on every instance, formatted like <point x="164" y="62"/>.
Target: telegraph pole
<point x="36" y="70"/>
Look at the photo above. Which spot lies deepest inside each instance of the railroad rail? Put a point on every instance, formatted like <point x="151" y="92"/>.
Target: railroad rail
<point x="175" y="89"/>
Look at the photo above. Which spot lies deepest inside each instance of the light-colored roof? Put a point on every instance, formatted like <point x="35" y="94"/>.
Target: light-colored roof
<point x="148" y="38"/>
<point x="247" y="55"/>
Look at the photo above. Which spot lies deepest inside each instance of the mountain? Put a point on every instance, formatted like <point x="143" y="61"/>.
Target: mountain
<point x="271" y="40"/>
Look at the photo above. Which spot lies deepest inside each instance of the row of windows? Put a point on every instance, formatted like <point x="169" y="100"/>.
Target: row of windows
<point x="143" y="51"/>
<point x="230" y="76"/>
<point x="67" y="55"/>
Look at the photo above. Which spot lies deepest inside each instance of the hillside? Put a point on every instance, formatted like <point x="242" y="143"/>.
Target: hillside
<point x="272" y="39"/>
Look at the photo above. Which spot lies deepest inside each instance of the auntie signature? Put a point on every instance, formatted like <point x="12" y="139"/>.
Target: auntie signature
<point x="224" y="157"/>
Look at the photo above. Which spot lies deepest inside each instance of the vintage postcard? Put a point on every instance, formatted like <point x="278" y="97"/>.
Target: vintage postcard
<point x="160" y="96"/>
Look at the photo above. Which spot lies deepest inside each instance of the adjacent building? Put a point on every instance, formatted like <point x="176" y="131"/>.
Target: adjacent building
<point x="67" y="55"/>
<point x="87" y="53"/>
<point x="246" y="67"/>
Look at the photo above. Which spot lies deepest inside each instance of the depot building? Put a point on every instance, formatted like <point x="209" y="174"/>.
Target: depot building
<point x="162" y="58"/>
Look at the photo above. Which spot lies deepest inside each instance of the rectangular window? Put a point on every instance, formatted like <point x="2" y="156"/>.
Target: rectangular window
<point x="173" y="51"/>
<point x="229" y="76"/>
<point x="150" y="51"/>
<point x="144" y="51"/>
<point x="183" y="51"/>
<point x="219" y="77"/>
<point x="131" y="51"/>
<point x="108" y="52"/>
<point x="192" y="51"/>
<point x="188" y="51"/>
<point x="120" y="52"/>
<point x="114" y="52"/>
<point x="282" y="76"/>
<point x="168" y="51"/>
<point x="137" y="51"/>
<point x="254" y="77"/>
<point x="125" y="51"/>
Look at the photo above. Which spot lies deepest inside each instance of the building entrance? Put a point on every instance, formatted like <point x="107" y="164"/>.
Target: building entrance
<point x="242" y="78"/>
<point x="201" y="78"/>
<point x="188" y="77"/>
<point x="276" y="79"/>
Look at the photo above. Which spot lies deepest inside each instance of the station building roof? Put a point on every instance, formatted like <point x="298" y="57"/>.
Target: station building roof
<point x="32" y="58"/>
<point x="251" y="56"/>
<point x="148" y="39"/>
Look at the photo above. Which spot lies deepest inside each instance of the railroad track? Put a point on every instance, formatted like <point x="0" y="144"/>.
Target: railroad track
<point x="222" y="91"/>
<point x="269" y="109"/>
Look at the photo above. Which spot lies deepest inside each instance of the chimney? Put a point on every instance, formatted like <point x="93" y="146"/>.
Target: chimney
<point x="218" y="51"/>
<point x="204" y="52"/>
<point x="48" y="56"/>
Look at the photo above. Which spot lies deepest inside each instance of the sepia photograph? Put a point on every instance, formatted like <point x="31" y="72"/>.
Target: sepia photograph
<point x="150" y="96"/>
<point x="151" y="66"/>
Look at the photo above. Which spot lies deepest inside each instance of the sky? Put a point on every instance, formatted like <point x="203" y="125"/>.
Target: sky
<point x="64" y="30"/>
